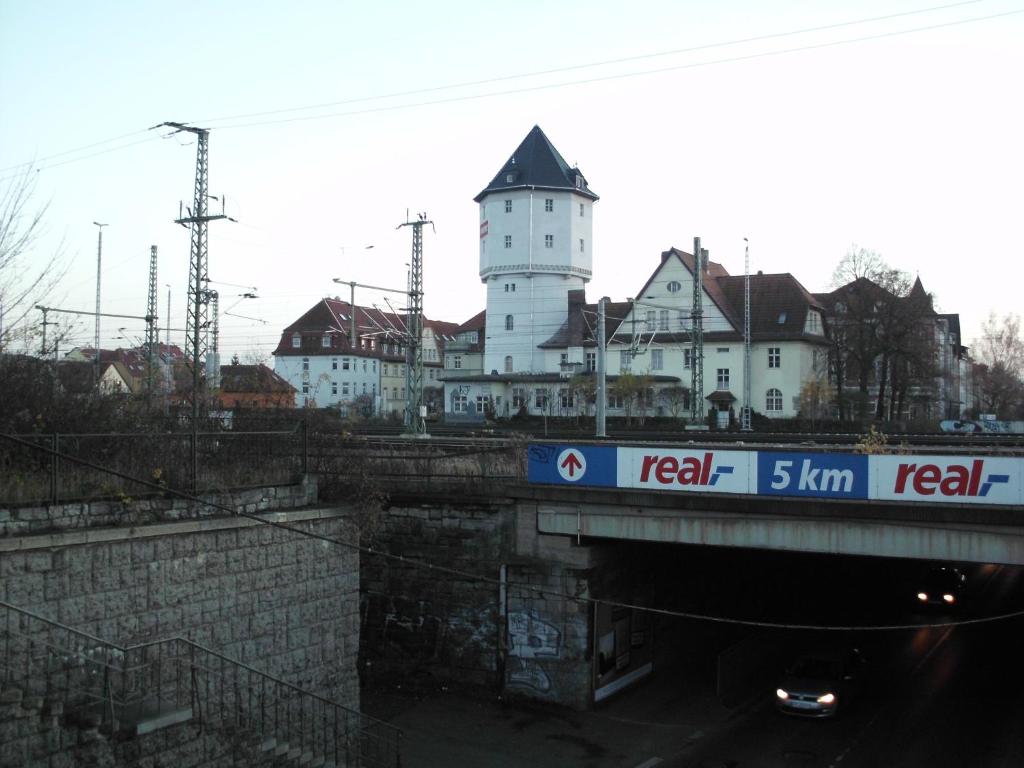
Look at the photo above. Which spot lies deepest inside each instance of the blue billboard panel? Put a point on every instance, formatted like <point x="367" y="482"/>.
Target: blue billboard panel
<point x="572" y="465"/>
<point x="820" y="475"/>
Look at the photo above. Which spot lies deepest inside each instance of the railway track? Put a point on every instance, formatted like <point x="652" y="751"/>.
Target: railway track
<point x="895" y="439"/>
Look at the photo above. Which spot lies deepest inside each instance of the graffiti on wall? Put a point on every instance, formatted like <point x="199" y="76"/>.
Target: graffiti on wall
<point x="531" y="638"/>
<point x="529" y="674"/>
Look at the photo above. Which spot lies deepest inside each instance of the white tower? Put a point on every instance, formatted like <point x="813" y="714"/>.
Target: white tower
<point x="536" y="221"/>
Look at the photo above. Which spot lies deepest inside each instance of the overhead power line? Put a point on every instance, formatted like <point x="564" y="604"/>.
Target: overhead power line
<point x="588" y="65"/>
<point x="539" y="73"/>
<point x="624" y="75"/>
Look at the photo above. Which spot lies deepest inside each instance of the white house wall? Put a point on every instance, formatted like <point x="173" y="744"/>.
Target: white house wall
<point x="321" y="378"/>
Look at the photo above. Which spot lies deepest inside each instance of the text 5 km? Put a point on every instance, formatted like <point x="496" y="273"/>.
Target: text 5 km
<point x="819" y="474"/>
<point x="811" y="478"/>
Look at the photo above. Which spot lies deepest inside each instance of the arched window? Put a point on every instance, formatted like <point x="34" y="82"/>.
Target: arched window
<point x="508" y="322"/>
<point x="508" y="363"/>
<point x="773" y="401"/>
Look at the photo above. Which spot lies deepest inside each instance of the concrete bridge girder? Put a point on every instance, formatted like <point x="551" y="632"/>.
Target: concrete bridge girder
<point x="945" y="541"/>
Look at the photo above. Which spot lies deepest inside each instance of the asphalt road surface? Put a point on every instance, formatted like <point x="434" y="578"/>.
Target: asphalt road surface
<point x="944" y="696"/>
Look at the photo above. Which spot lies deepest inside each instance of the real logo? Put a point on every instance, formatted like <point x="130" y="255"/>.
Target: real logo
<point x="690" y="470"/>
<point x="952" y="480"/>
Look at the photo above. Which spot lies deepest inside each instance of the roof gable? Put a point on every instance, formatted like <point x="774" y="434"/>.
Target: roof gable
<point x="678" y="266"/>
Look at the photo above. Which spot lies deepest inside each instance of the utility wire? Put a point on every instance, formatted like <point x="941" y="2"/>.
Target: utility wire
<point x="493" y="581"/>
<point x="588" y="65"/>
<point x="623" y="75"/>
<point x="628" y="59"/>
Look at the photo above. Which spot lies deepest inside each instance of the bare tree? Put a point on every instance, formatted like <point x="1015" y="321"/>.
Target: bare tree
<point x="1001" y="343"/>
<point x="26" y="277"/>
<point x="879" y="328"/>
<point x="677" y="399"/>
<point x="1000" y="352"/>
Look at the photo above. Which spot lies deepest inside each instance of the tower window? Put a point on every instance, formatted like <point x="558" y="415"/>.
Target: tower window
<point x="581" y="210"/>
<point x="508" y="241"/>
<point x="508" y="206"/>
<point x="509" y="322"/>
<point x="549" y="204"/>
<point x="581" y="245"/>
<point x="549" y="241"/>
<point x="508" y="363"/>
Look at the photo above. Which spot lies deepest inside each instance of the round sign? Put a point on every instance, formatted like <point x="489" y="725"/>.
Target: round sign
<point x="571" y="464"/>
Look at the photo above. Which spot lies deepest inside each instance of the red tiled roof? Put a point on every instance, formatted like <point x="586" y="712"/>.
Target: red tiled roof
<point x="252" y="379"/>
<point x="333" y="318"/>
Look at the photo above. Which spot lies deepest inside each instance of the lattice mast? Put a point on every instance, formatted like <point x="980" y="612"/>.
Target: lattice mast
<point x="745" y="415"/>
<point x="414" y="421"/>
<point x="213" y="355"/>
<point x="197" y="315"/>
<point x="697" y="337"/>
<point x="152" y="332"/>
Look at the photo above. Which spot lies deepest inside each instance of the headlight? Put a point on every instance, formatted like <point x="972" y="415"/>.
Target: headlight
<point x="949" y="598"/>
<point x="922" y="596"/>
<point x="828" y="698"/>
<point x="781" y="694"/>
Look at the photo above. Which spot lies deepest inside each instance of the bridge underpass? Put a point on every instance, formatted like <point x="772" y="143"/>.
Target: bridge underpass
<point x="827" y="523"/>
<point x="850" y="532"/>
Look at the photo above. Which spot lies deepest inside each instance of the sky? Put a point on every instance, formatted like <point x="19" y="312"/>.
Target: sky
<point x="805" y="127"/>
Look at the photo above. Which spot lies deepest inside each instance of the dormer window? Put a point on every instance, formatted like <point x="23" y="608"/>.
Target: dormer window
<point x="510" y="178"/>
<point x="579" y="182"/>
<point x="296" y="341"/>
<point x="325" y="341"/>
<point x="782" y="318"/>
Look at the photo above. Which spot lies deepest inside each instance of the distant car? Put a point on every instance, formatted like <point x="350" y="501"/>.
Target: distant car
<point x="819" y="684"/>
<point x="942" y="586"/>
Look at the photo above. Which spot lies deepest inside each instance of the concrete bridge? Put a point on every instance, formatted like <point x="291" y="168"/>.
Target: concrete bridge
<point x="949" y="506"/>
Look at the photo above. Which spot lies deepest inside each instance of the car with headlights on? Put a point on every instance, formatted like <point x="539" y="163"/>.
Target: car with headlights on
<point x="942" y="586"/>
<point x="819" y="684"/>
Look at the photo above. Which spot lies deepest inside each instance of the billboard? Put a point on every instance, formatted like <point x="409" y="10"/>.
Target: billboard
<point x="993" y="480"/>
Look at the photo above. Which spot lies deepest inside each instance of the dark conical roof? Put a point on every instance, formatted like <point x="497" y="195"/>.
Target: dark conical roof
<point x="536" y="163"/>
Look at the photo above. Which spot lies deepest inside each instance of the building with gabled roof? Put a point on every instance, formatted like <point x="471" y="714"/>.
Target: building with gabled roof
<point x="929" y="378"/>
<point x="336" y="354"/>
<point x="253" y="386"/>
<point x="788" y="342"/>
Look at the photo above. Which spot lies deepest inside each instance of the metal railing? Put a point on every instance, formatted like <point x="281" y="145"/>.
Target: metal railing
<point x="174" y="680"/>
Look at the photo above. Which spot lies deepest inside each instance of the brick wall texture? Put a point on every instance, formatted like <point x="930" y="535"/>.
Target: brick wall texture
<point x="285" y="604"/>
